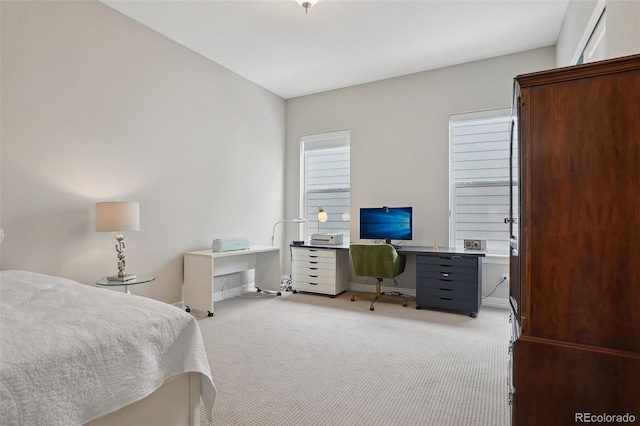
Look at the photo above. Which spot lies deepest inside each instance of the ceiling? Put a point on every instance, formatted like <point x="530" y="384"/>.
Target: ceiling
<point x="342" y="43"/>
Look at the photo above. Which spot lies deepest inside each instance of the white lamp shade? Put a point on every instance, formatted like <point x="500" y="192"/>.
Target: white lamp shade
<point x="117" y="216"/>
<point x="322" y="216"/>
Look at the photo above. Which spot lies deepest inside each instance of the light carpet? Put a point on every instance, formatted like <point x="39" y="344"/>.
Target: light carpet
<point x="306" y="359"/>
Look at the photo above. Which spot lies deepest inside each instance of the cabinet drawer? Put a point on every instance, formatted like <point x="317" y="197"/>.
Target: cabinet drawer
<point x="313" y="279"/>
<point x="314" y="287"/>
<point x="453" y="260"/>
<point x="305" y="269"/>
<point x="449" y="293"/>
<point x="317" y="264"/>
<point x="471" y="286"/>
<point x="309" y="253"/>
<point x="458" y="274"/>
<point x="447" y="303"/>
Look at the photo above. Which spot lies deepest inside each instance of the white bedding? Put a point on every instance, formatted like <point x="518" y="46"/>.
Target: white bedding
<point x="70" y="353"/>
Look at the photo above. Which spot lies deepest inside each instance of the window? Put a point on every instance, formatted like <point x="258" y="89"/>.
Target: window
<point x="326" y="182"/>
<point x="479" y="179"/>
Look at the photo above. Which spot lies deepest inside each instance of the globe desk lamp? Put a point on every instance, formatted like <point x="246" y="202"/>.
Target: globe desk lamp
<point x="322" y="217"/>
<point x="273" y="233"/>
<point x="118" y="217"/>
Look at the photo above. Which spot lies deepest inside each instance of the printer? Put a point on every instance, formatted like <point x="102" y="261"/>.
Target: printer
<point x="326" y="239"/>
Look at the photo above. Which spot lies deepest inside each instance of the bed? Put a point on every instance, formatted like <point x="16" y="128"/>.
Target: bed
<point x="72" y="354"/>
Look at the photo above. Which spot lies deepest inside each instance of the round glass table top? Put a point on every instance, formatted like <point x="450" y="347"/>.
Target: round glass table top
<point x="139" y="279"/>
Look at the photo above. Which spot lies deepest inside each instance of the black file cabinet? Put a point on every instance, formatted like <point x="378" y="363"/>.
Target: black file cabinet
<point x="449" y="281"/>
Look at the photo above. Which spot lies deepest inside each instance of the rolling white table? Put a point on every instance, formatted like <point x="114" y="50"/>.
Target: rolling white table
<point x="200" y="267"/>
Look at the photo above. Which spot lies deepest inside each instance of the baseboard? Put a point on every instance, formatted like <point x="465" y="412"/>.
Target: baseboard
<point x="226" y="293"/>
<point x="496" y="302"/>
<point x="371" y="288"/>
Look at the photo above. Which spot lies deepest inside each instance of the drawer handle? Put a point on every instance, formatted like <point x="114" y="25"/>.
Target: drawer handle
<point x="446" y="289"/>
<point x="313" y="283"/>
<point x="315" y="269"/>
<point x="313" y="276"/>
<point x="444" y="274"/>
<point x="315" y="257"/>
<point x="456" y="257"/>
<point x="314" y="263"/>
<point x="445" y="298"/>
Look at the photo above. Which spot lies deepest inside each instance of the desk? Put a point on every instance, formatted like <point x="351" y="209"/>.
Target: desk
<point x="407" y="249"/>
<point x="447" y="278"/>
<point x="139" y="279"/>
<point x="200" y="268"/>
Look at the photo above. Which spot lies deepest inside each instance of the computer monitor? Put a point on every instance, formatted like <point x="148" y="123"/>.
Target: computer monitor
<point x="386" y="223"/>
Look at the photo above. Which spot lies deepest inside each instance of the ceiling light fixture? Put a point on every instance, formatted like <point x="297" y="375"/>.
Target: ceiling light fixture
<point x="307" y="4"/>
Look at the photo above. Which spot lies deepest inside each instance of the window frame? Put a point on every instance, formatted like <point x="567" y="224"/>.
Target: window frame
<point x="502" y="116"/>
<point x="338" y="220"/>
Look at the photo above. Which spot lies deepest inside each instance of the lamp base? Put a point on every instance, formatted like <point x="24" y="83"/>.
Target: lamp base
<point x="127" y="277"/>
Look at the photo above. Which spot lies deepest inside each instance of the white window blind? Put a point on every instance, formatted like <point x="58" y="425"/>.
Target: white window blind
<point x="326" y="182"/>
<point x="479" y="179"/>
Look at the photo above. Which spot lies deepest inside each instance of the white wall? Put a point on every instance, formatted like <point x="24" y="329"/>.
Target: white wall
<point x="622" y="36"/>
<point x="96" y="106"/>
<point x="623" y="28"/>
<point x="400" y="140"/>
<point x="574" y="32"/>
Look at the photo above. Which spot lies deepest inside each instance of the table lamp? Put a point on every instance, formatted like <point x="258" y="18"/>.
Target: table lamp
<point x="322" y="217"/>
<point x="117" y="217"/>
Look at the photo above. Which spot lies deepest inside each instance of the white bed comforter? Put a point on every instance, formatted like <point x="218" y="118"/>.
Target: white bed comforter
<point x="70" y="353"/>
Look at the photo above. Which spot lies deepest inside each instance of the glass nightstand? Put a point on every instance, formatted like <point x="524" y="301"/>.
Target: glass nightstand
<point x="140" y="279"/>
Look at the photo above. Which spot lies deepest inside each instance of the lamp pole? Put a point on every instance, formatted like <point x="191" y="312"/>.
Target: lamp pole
<point x="273" y="232"/>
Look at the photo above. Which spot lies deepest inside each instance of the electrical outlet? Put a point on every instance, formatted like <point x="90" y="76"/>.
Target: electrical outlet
<point x="505" y="279"/>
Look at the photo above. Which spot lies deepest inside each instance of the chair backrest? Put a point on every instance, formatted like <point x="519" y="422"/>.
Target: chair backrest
<point x="376" y="260"/>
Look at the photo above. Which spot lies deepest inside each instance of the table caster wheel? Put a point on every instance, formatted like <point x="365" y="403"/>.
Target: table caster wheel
<point x="372" y="308"/>
<point x="188" y="309"/>
<point x="209" y="313"/>
<point x="279" y="294"/>
<point x="258" y="290"/>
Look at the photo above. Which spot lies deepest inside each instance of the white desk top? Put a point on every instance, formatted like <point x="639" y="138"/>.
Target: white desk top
<point x="250" y="250"/>
<point x="405" y="249"/>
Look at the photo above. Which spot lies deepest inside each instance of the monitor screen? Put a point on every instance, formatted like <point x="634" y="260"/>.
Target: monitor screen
<point x="386" y="223"/>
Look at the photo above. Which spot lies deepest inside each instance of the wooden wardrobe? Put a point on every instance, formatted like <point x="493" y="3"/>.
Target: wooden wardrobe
<point x="575" y="246"/>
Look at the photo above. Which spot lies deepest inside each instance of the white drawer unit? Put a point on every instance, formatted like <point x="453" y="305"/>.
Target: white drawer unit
<point x="319" y="270"/>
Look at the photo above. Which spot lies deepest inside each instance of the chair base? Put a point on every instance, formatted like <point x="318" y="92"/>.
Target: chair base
<point x="379" y="296"/>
